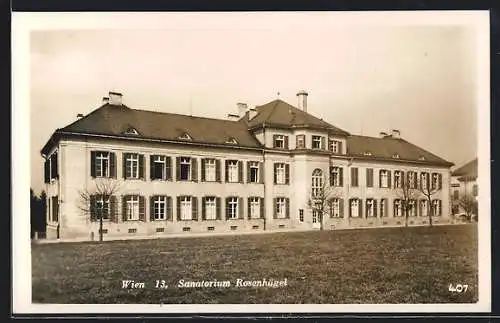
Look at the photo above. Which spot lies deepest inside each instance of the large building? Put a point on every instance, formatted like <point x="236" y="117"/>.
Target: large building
<point x="464" y="183"/>
<point x="255" y="171"/>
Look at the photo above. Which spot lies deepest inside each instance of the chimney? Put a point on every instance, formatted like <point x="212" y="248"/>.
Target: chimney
<point x="242" y="109"/>
<point x="233" y="117"/>
<point x="302" y="104"/>
<point x="79" y="115"/>
<point x="383" y="134"/>
<point x="115" y="98"/>
<point x="396" y="133"/>
<point x="105" y="100"/>
<point x="252" y="113"/>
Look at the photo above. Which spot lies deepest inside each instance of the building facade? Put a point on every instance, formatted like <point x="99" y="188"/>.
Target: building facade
<point x="262" y="169"/>
<point x="464" y="183"/>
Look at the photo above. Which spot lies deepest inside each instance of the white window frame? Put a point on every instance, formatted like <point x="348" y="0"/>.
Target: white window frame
<point x="232" y="171"/>
<point x="101" y="204"/>
<point x="336" y="176"/>
<point x="334" y="146"/>
<point x="317" y="182"/>
<point x="370" y="208"/>
<point x="163" y="161"/>
<point x="186" y="162"/>
<point x="280" y="173"/>
<point x="398" y="208"/>
<point x="300" y="142"/>
<point x="436" y="207"/>
<point x="336" y="208"/>
<point x="160" y="207"/>
<point x="411" y="179"/>
<point x="384" y="178"/>
<point x="186" y="208"/>
<point x="354" y="204"/>
<point x="279" y="139"/>
<point x="254" y="166"/>
<point x="280" y="207"/>
<point x="398" y="179"/>
<point x="435" y="181"/>
<point x="425" y="207"/>
<point x="132" y="207"/>
<point x="132" y="165"/>
<point x="254" y="207"/>
<point x="423" y="180"/>
<point x="316" y="142"/>
<point x="210" y="208"/>
<point x="383" y="207"/>
<point x="233" y="207"/>
<point x="412" y="208"/>
<point x="102" y="163"/>
<point x="301" y="215"/>
<point x="210" y="170"/>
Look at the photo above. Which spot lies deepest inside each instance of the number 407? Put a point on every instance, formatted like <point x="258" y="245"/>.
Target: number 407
<point x="459" y="288"/>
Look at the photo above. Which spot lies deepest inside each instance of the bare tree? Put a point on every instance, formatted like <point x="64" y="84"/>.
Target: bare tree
<point x="469" y="204"/>
<point x="99" y="202"/>
<point x="407" y="194"/>
<point x="428" y="189"/>
<point x="320" y="198"/>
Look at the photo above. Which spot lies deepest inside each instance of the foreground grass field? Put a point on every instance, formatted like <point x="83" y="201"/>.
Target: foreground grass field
<point x="387" y="265"/>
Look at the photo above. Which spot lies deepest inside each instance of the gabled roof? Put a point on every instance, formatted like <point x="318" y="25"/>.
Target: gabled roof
<point x="388" y="148"/>
<point x="114" y="120"/>
<point x="468" y="170"/>
<point x="281" y="114"/>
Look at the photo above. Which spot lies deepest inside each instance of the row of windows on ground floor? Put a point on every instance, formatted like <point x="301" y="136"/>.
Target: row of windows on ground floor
<point x="133" y="208"/>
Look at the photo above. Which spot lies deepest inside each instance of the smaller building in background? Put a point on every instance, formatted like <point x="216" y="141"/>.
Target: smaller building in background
<point x="464" y="183"/>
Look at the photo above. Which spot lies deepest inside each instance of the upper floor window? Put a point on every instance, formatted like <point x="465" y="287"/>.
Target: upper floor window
<point x="102" y="164"/>
<point x="186" y="169"/>
<point x="133" y="166"/>
<point x="424" y="181"/>
<point x="474" y="190"/>
<point x="281" y="173"/>
<point x="210" y="170"/>
<point x="280" y="141"/>
<point x="436" y="181"/>
<point x="398" y="179"/>
<point x="412" y="179"/>
<point x="455" y="194"/>
<point x="335" y="146"/>
<point x="354" y="177"/>
<point x="369" y="177"/>
<point x="161" y="167"/>
<point x="234" y="171"/>
<point x="253" y="172"/>
<point x="300" y="142"/>
<point x="336" y="176"/>
<point x="384" y="178"/>
<point x="318" y="142"/>
<point x="317" y="182"/>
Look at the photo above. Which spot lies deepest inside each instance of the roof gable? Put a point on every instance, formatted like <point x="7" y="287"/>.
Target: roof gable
<point x="468" y="170"/>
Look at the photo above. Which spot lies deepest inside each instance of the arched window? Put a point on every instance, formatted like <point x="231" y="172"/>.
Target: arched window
<point x="317" y="181"/>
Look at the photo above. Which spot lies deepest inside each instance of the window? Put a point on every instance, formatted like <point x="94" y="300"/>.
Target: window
<point x="160" y="207"/>
<point x="370" y="208"/>
<point x="317" y="142"/>
<point x="395" y="156"/>
<point x="185" y="136"/>
<point x="186" y="210"/>
<point x="210" y="208"/>
<point x="317" y="182"/>
<point x="300" y="141"/>
<point x="421" y="158"/>
<point x="436" y="181"/>
<point x="456" y="194"/>
<point x="398" y="179"/>
<point x="474" y="190"/>
<point x="412" y="208"/>
<point x="185" y="169"/>
<point x="367" y="153"/>
<point x="369" y="177"/>
<point x="253" y="172"/>
<point x="384" y="178"/>
<point x="436" y="207"/>
<point x="102" y="164"/>
<point x="254" y="207"/>
<point x="232" y="171"/>
<point x="412" y="179"/>
<point x="54" y="169"/>
<point x="383" y="207"/>
<point x="424" y="181"/>
<point x="335" y="208"/>
<point x="280" y="141"/>
<point x="133" y="166"/>
<point x="160" y="167"/>
<point x="131" y="131"/>
<point x="133" y="208"/>
<point x="210" y="170"/>
<point x="335" y="146"/>
<point x="398" y="209"/>
<point x="301" y="215"/>
<point x="354" y="208"/>
<point x="55" y="209"/>
<point x="280" y="208"/>
<point x="354" y="176"/>
<point x="232" y="208"/>
<point x="336" y="176"/>
<point x="424" y="208"/>
<point x="231" y="141"/>
<point x="281" y="173"/>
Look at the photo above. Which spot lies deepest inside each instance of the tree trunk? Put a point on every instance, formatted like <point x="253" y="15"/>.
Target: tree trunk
<point x="100" y="228"/>
<point x="406" y="218"/>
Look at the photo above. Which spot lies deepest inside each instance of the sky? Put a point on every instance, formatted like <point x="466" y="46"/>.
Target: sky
<point x="363" y="78"/>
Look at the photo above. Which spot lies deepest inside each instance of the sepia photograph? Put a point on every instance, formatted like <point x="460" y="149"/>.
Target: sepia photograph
<point x="286" y="161"/>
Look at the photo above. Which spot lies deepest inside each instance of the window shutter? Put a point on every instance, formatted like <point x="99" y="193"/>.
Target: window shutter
<point x="47" y="171"/>
<point x="287" y="173"/>
<point x="217" y="170"/>
<point x="194" y="207"/>
<point x="275" y="173"/>
<point x="227" y="208"/>
<point x="389" y="179"/>
<point x="249" y="213"/>
<point x="152" y="167"/>
<point x="286" y="142"/>
<point x="350" y="208"/>
<point x="226" y="173"/>
<point x="262" y="208"/>
<point x="360" y="208"/>
<point x="261" y="172"/>
<point x="394" y="208"/>
<point x="142" y="208"/>
<point x="217" y="208"/>
<point x="168" y="168"/>
<point x="178" y="207"/>
<point x="341" y="176"/>
<point x="124" y="166"/>
<point x="141" y="167"/>
<point x="340" y="147"/>
<point x="440" y="181"/>
<point x="353" y="177"/>
<point x="274" y="140"/>
<point x="203" y="163"/>
<point x="369" y="177"/>
<point x="93" y="206"/>
<point x="112" y="209"/>
<point x="112" y="165"/>
<point x="169" y="208"/>
<point x="440" y="207"/>
<point x="331" y="175"/>
<point x="124" y="208"/>
<point x="402" y="176"/>
<point x="240" y="171"/>
<point x="287" y="201"/>
<point x="203" y="206"/>
<point x="152" y="208"/>
<point x="241" y="209"/>
<point x="341" y="208"/>
<point x="275" y="215"/>
<point x="178" y="168"/>
<point x="92" y="166"/>
<point x="374" y="208"/>
<point x="322" y="142"/>
<point x="248" y="172"/>
<point x="194" y="169"/>
<point x="54" y="164"/>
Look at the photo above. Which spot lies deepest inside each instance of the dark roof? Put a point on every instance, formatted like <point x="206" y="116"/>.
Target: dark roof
<point x="388" y="147"/>
<point x="281" y="114"/>
<point x="467" y="170"/>
<point x="116" y="120"/>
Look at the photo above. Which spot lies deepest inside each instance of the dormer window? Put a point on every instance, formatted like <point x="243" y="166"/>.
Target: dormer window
<point x="231" y="141"/>
<point x="131" y="131"/>
<point x="395" y="156"/>
<point x="335" y="146"/>
<point x="280" y="141"/>
<point x="421" y="158"/>
<point x="318" y="142"/>
<point x="185" y="136"/>
<point x="367" y="153"/>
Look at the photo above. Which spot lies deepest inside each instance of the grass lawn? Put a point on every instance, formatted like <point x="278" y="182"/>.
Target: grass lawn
<point x="386" y="265"/>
